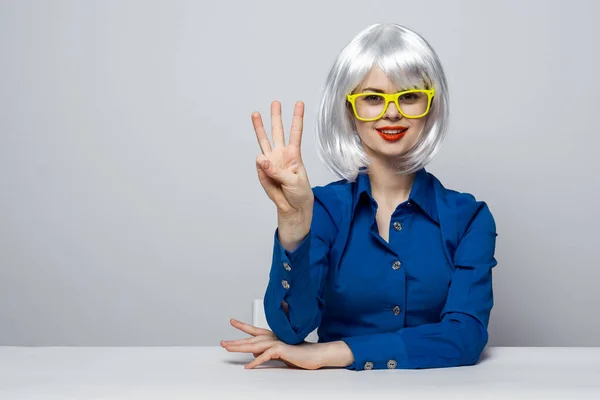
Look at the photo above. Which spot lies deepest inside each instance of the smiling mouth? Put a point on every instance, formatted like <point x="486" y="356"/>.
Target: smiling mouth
<point x="392" y="134"/>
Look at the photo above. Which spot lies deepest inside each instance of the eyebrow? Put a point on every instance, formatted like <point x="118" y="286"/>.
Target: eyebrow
<point x="370" y="89"/>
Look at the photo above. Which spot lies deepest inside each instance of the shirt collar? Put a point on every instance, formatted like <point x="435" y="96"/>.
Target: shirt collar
<point x="422" y="192"/>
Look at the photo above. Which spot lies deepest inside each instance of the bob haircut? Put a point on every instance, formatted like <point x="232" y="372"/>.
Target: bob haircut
<point x="409" y="61"/>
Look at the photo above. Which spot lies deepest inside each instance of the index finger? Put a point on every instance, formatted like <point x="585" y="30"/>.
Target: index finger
<point x="249" y="329"/>
<point x="261" y="135"/>
<point x="297" y="124"/>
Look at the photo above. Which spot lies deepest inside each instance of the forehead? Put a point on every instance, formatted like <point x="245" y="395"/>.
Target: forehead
<point x="392" y="81"/>
<point x="376" y="78"/>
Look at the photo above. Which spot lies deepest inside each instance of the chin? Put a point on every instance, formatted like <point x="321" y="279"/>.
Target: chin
<point x="396" y="153"/>
<point x="390" y="150"/>
<point x="379" y="146"/>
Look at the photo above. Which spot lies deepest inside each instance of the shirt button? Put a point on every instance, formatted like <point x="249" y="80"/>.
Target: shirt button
<point x="396" y="310"/>
<point x="285" y="284"/>
<point x="368" y="365"/>
<point x="287" y="266"/>
<point x="391" y="364"/>
<point x="397" y="226"/>
<point x="396" y="265"/>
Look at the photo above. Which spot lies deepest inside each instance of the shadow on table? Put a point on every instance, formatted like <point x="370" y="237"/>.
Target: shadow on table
<point x="485" y="355"/>
<point x="269" y="364"/>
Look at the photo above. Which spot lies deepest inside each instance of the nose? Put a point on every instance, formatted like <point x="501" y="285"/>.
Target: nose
<point x="392" y="112"/>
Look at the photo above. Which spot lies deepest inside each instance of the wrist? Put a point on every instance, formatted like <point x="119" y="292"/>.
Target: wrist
<point x="292" y="230"/>
<point x="295" y="220"/>
<point x="337" y="354"/>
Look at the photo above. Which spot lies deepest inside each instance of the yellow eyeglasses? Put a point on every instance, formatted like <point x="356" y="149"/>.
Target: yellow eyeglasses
<point x="369" y="106"/>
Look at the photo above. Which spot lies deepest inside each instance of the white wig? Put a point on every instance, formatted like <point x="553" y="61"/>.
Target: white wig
<point x="409" y="61"/>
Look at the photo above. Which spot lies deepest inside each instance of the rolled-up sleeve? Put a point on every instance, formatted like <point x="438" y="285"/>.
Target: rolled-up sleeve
<point x="297" y="278"/>
<point x="461" y="335"/>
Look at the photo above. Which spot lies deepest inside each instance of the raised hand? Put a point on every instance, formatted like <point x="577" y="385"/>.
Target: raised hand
<point x="280" y="168"/>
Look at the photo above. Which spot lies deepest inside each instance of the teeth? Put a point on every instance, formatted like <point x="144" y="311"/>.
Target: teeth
<point x="392" y="132"/>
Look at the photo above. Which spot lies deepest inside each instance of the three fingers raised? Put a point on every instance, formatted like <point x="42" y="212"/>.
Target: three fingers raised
<point x="277" y="127"/>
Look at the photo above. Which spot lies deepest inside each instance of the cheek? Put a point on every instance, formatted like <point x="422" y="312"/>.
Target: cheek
<point x="417" y="127"/>
<point x="364" y="129"/>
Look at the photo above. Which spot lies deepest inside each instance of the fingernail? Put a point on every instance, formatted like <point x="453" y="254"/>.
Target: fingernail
<point x="266" y="165"/>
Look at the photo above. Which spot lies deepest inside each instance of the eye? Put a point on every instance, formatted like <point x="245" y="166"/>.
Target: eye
<point x="409" y="97"/>
<point x="372" y="98"/>
<point x="412" y="98"/>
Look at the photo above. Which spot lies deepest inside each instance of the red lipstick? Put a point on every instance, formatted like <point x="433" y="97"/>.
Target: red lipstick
<point x="392" y="133"/>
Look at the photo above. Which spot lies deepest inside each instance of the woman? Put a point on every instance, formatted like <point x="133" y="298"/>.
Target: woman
<point x="393" y="269"/>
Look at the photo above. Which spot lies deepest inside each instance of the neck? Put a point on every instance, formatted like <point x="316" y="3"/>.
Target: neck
<point x="388" y="187"/>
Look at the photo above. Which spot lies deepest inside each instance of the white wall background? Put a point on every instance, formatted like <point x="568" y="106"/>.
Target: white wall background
<point x="130" y="211"/>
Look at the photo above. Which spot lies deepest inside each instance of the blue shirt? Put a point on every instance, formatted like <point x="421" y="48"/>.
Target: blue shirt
<point x="423" y="300"/>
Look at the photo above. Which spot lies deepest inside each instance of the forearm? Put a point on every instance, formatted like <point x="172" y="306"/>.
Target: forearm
<point x="302" y="243"/>
<point x="456" y="341"/>
<point x="295" y="281"/>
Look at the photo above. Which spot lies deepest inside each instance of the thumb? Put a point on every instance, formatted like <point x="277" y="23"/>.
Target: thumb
<point x="280" y="175"/>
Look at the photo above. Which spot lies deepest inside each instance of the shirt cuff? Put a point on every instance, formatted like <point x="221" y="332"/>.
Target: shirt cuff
<point x="378" y="351"/>
<point x="291" y="270"/>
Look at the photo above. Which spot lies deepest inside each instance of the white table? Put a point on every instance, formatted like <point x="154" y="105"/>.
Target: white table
<point x="210" y="372"/>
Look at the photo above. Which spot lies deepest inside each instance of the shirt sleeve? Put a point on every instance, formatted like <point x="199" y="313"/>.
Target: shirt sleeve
<point x="297" y="278"/>
<point x="461" y="335"/>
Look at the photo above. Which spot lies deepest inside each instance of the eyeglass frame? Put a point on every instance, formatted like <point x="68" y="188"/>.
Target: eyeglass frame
<point x="389" y="97"/>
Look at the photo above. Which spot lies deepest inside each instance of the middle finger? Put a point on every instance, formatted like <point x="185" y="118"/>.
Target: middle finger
<point x="277" y="125"/>
<point x="254" y="348"/>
